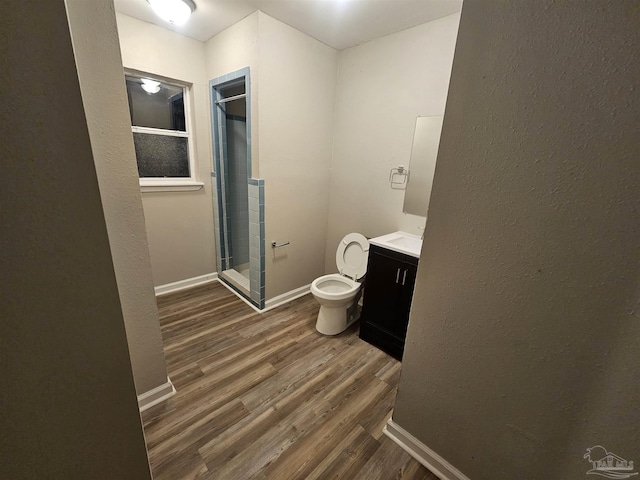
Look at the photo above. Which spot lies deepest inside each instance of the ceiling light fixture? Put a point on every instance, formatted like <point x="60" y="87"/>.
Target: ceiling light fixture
<point x="176" y="12"/>
<point x="150" y="86"/>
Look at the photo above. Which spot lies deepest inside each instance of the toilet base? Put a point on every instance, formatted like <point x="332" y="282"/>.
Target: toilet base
<point x="335" y="320"/>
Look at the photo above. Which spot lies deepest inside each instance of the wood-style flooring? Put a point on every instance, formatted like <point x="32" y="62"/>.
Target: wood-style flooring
<point x="264" y="396"/>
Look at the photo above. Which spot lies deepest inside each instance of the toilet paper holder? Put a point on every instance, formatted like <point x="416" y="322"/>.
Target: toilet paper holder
<point x="278" y="245"/>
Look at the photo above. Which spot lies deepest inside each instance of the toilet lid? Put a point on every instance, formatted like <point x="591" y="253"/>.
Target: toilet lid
<point x="352" y="255"/>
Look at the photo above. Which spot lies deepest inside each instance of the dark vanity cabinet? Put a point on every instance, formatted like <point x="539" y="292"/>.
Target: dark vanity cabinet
<point x="387" y="299"/>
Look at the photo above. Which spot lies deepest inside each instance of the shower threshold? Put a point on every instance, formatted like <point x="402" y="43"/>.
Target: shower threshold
<point x="237" y="279"/>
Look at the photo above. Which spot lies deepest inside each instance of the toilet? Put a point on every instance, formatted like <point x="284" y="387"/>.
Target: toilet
<point x="338" y="293"/>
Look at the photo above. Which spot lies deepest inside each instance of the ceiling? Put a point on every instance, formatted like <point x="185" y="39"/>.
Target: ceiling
<point x="337" y="23"/>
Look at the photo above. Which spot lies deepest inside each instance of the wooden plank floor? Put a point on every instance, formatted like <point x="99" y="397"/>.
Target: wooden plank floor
<point x="264" y="396"/>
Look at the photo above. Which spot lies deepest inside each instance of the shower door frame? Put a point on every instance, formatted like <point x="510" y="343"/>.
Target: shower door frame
<point x="256" y="294"/>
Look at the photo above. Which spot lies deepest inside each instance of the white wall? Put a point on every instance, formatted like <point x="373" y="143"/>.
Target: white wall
<point x="524" y="331"/>
<point x="179" y="224"/>
<point x="68" y="398"/>
<point x="383" y="85"/>
<point x="102" y="85"/>
<point x="297" y="91"/>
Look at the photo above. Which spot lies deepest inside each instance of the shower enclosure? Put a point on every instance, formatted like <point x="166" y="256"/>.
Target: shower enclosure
<point x="238" y="198"/>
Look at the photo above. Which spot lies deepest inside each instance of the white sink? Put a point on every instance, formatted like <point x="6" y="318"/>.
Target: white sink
<point x="402" y="242"/>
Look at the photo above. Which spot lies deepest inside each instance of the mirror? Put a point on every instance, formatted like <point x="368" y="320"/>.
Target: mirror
<point x="422" y="165"/>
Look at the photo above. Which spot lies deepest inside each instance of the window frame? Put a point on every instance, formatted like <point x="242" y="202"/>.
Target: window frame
<point x="156" y="184"/>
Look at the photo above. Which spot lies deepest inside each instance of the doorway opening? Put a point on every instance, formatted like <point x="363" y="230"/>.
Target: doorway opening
<point x="238" y="197"/>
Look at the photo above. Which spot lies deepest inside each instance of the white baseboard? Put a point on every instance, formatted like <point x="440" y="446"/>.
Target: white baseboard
<point x="156" y="395"/>
<point x="275" y="301"/>
<point x="423" y="454"/>
<point x="186" y="283"/>
<point x="286" y="297"/>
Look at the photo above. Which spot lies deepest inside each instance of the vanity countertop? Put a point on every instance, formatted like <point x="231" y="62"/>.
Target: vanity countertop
<point x="401" y="242"/>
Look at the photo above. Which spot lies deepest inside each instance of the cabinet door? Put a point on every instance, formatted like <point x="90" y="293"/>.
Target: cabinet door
<point x="407" y="281"/>
<point x="382" y="295"/>
<point x="387" y="300"/>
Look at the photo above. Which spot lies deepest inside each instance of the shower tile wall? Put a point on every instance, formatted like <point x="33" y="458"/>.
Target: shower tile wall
<point x="237" y="175"/>
<point x="256" y="241"/>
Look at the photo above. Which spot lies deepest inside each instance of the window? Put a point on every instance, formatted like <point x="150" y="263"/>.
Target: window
<point x="161" y="134"/>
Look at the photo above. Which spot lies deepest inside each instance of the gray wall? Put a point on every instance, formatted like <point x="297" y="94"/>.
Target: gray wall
<point x="524" y="331"/>
<point x="238" y="190"/>
<point x="106" y="109"/>
<point x="68" y="400"/>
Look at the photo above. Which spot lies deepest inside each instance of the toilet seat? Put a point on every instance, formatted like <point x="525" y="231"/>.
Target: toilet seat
<point x="334" y="287"/>
<point x="352" y="256"/>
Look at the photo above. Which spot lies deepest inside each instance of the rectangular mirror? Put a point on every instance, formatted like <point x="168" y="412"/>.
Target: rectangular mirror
<point x="424" y="152"/>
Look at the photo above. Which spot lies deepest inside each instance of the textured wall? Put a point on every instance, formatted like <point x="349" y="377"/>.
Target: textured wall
<point x="104" y="97"/>
<point x="524" y="331"/>
<point x="382" y="86"/>
<point x="179" y="224"/>
<point x="68" y="399"/>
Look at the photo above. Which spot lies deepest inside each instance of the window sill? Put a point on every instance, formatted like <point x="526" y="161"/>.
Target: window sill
<point x="170" y="186"/>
